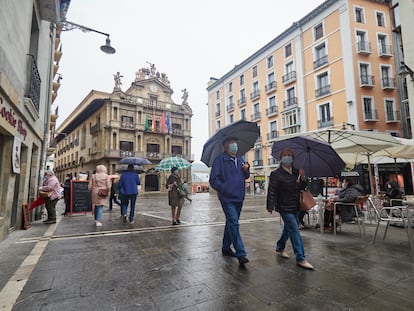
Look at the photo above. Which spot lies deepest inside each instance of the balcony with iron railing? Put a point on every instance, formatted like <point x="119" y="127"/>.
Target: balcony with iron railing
<point x="290" y="102"/>
<point x="34" y="83"/>
<point x="392" y="116"/>
<point x="241" y="101"/>
<point x="154" y="155"/>
<point x="95" y="128"/>
<point x="367" y="81"/>
<point x="385" y="50"/>
<point x="364" y="47"/>
<point x="270" y="87"/>
<point x="370" y="115"/>
<point x="127" y="125"/>
<point x="218" y="113"/>
<point x="257" y="163"/>
<point x="272" y="161"/>
<point x="230" y="107"/>
<point x="256" y="116"/>
<point x="126" y="153"/>
<point x="323" y="60"/>
<point x="323" y="91"/>
<point x="255" y="94"/>
<point x="289" y="77"/>
<point x="272" y="135"/>
<point x="388" y="83"/>
<point x="272" y="110"/>
<point x="325" y="123"/>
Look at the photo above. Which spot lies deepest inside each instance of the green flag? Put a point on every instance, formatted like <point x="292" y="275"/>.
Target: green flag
<point x="146" y="123"/>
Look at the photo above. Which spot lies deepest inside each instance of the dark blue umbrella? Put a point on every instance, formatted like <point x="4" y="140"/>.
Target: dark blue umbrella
<point x="246" y="133"/>
<point x="317" y="158"/>
<point x="137" y="169"/>
<point x="134" y="161"/>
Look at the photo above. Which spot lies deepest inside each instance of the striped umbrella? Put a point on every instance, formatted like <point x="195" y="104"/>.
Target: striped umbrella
<point x="168" y="163"/>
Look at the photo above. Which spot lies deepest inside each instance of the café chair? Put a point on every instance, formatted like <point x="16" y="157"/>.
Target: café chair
<point x="357" y="206"/>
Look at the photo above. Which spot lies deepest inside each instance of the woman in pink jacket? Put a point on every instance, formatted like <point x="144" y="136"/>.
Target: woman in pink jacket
<point x="52" y="186"/>
<point x="99" y="181"/>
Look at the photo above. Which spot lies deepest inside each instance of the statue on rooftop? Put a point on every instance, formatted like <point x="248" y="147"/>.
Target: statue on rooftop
<point x="117" y="79"/>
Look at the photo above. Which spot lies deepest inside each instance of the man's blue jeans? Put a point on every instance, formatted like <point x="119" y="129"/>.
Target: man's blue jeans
<point x="128" y="198"/>
<point x="291" y="230"/>
<point x="98" y="210"/>
<point x="231" y="230"/>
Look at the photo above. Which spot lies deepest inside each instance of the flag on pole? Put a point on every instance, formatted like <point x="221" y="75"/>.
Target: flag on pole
<point x="163" y="124"/>
<point x="168" y="123"/>
<point x="153" y="120"/>
<point x="146" y="123"/>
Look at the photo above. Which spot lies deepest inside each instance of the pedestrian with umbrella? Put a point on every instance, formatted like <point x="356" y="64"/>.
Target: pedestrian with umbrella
<point x="227" y="177"/>
<point x="283" y="194"/>
<point x="128" y="188"/>
<point x="175" y="196"/>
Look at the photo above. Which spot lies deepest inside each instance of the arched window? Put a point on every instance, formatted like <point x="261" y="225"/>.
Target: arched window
<point x="114" y="142"/>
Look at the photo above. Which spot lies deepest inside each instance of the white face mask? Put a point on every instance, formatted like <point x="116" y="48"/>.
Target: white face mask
<point x="287" y="160"/>
<point x="233" y="148"/>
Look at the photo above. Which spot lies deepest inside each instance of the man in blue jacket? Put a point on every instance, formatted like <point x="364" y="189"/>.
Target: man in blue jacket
<point x="128" y="188"/>
<point x="227" y="177"/>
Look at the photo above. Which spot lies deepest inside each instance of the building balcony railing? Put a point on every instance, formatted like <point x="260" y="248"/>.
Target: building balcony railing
<point x="256" y="116"/>
<point x="95" y="128"/>
<point x="270" y="87"/>
<point x="290" y="102"/>
<point x="255" y="94"/>
<point x="370" y="115"/>
<point x="392" y="116"/>
<point x="272" y="135"/>
<point x="241" y="101"/>
<point x="257" y="163"/>
<point x="218" y="113"/>
<point x="272" y="161"/>
<point x="34" y="83"/>
<point x="126" y="153"/>
<point x="325" y="123"/>
<point x="388" y="83"/>
<point x="289" y="77"/>
<point x="230" y="107"/>
<point x="367" y="81"/>
<point x="271" y="110"/>
<point x="127" y="125"/>
<point x="154" y="155"/>
<point x="320" y="61"/>
<point x="364" y="47"/>
<point x="385" y="50"/>
<point x="322" y="91"/>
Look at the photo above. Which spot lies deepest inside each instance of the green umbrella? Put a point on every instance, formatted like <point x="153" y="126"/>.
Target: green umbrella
<point x="168" y="163"/>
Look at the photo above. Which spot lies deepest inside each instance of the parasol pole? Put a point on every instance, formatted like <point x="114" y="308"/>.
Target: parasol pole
<point x="371" y="186"/>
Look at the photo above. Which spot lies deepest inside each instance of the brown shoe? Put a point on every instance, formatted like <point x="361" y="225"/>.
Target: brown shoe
<point x="305" y="265"/>
<point x="283" y="254"/>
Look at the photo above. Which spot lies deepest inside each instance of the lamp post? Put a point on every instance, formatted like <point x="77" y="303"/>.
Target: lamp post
<point x="106" y="48"/>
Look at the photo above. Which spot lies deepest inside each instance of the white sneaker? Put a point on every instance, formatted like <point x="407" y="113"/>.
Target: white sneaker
<point x="98" y="224"/>
<point x="132" y="221"/>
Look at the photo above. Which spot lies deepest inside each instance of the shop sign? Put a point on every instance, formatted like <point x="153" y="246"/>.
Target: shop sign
<point x="9" y="116"/>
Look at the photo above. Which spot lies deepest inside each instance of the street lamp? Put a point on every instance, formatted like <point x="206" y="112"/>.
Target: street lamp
<point x="106" y="48"/>
<point x="405" y="71"/>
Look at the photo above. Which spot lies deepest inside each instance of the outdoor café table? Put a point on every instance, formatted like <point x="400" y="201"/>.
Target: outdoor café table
<point x="409" y="208"/>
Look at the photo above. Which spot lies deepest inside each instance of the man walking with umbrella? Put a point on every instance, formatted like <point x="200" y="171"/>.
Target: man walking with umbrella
<point x="227" y="177"/>
<point x="128" y="184"/>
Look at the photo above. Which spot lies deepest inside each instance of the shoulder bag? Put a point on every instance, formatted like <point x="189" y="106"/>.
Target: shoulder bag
<point x="306" y="201"/>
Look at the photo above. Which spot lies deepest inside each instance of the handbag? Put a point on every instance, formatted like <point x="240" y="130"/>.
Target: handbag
<point x="181" y="191"/>
<point x="103" y="192"/>
<point x="306" y="201"/>
<point x="45" y="194"/>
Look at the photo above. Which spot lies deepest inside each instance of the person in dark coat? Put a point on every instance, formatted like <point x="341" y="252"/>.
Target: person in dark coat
<point x="351" y="191"/>
<point x="283" y="196"/>
<point x="66" y="193"/>
<point x="227" y="177"/>
<point x="128" y="188"/>
<point x="175" y="199"/>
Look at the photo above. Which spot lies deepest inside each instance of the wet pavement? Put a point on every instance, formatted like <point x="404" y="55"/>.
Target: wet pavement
<point x="151" y="265"/>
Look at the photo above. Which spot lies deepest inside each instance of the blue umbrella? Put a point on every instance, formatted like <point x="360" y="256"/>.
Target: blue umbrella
<point x="134" y="161"/>
<point x="246" y="133"/>
<point x="317" y="158"/>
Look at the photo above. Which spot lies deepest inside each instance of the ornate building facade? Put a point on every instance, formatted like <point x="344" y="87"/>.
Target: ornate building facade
<point x="142" y="121"/>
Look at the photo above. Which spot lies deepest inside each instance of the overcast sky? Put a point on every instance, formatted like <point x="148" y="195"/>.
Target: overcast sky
<point x="189" y="40"/>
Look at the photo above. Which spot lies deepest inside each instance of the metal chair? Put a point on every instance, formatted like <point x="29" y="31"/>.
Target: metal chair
<point x="395" y="214"/>
<point x="359" y="219"/>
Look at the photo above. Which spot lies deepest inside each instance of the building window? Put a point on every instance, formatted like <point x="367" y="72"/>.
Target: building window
<point x="273" y="130"/>
<point x="366" y="78"/>
<point x="325" y="119"/>
<point x="231" y="118"/>
<point x="243" y="114"/>
<point x="254" y="72"/>
<point x="241" y="79"/>
<point x="255" y="86"/>
<point x="218" y="125"/>
<point x="318" y="31"/>
<point x="380" y="19"/>
<point x="270" y="77"/>
<point x="127" y="148"/>
<point x="290" y="121"/>
<point x="369" y="110"/>
<point x="231" y="101"/>
<point x="176" y="150"/>
<point x="231" y="87"/>
<point x="322" y="84"/>
<point x="386" y="79"/>
<point x="288" y="50"/>
<point x="272" y="101"/>
<point x="321" y="57"/>
<point x="242" y="96"/>
<point x="218" y="95"/>
<point x="290" y="98"/>
<point x="218" y="112"/>
<point x="359" y="15"/>
<point x="270" y="61"/>
<point x="256" y="112"/>
<point x="391" y="113"/>
<point x="153" y="148"/>
<point x="384" y="47"/>
<point x="127" y="121"/>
